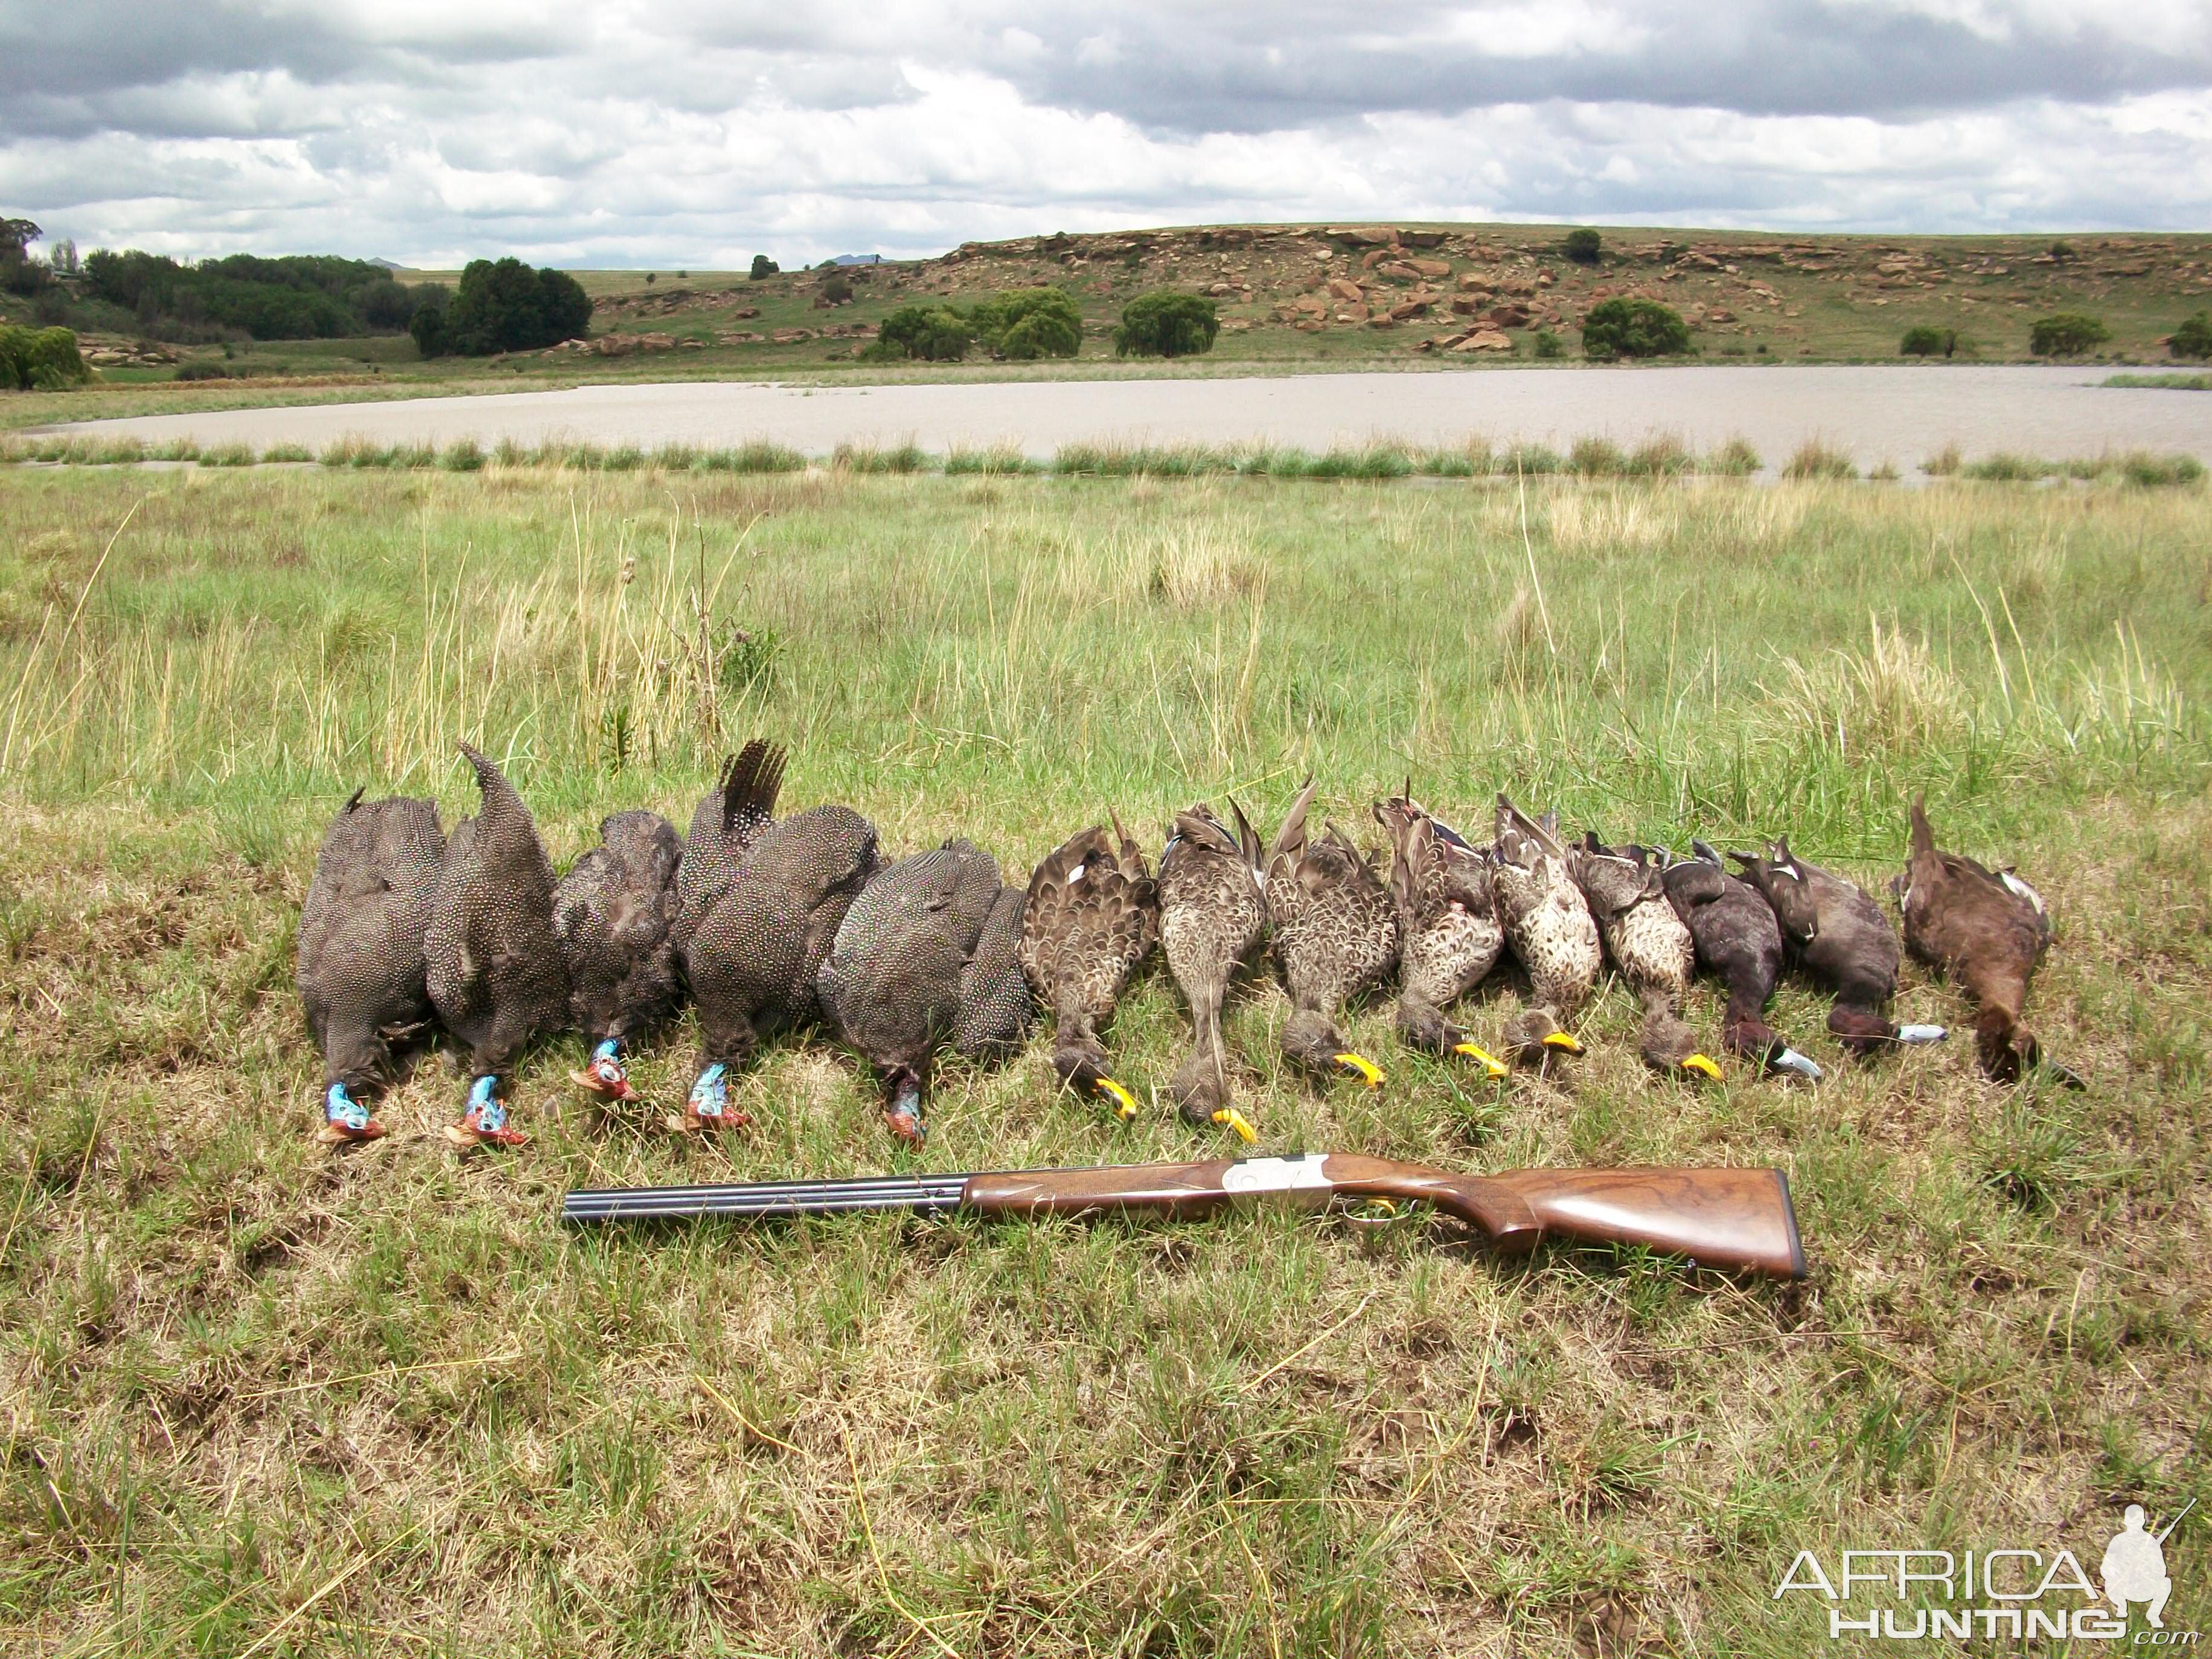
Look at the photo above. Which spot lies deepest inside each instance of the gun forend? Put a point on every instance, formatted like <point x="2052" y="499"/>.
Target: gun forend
<point x="1735" y="1219"/>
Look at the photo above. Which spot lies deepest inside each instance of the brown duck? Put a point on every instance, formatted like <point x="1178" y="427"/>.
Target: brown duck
<point x="1739" y="942"/>
<point x="1213" y="908"/>
<point x="1649" y="944"/>
<point x="1335" y="933"/>
<point x="1987" y="929"/>
<point x="495" y="972"/>
<point x="1091" y="917"/>
<point x="361" y="975"/>
<point x="927" y="957"/>
<point x="1549" y="926"/>
<point x="1833" y="928"/>
<point x="1449" y="936"/>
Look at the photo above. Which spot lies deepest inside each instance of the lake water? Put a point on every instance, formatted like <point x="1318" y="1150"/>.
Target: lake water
<point x="1897" y="414"/>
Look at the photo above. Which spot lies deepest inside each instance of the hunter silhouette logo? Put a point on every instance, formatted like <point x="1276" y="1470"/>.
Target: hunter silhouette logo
<point x="2016" y="1594"/>
<point x="2134" y="1567"/>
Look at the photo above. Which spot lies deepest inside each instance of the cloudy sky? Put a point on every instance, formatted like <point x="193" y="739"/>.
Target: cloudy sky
<point x="691" y="133"/>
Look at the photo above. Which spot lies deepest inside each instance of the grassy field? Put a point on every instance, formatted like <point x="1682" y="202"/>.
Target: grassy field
<point x="264" y="1400"/>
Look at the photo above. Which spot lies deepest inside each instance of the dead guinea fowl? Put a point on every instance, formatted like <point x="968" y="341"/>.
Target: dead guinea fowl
<point x="1833" y="928"/>
<point x="1090" y="918"/>
<point x="729" y="817"/>
<point x="1334" y="933"/>
<point x="753" y="959"/>
<point x="615" y="914"/>
<point x="362" y="976"/>
<point x="1214" y="910"/>
<point x="926" y="957"/>
<point x="1549" y="926"/>
<point x="1987" y="929"/>
<point x="1739" y="942"/>
<point x="1649" y="943"/>
<point x="1449" y="936"/>
<point x="496" y="975"/>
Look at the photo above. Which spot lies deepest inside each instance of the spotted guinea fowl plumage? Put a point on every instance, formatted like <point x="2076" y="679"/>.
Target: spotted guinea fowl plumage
<point x="926" y="957"/>
<point x="362" y="976"/>
<point x="1649" y="944"/>
<point x="1212" y="911"/>
<point x="1090" y="917"/>
<point x="1449" y="936"/>
<point x="1549" y="927"/>
<point x="497" y="974"/>
<point x="1835" y="930"/>
<point x="1739" y="942"/>
<point x="1334" y="933"/>
<point x="1987" y="929"/>
<point x="729" y="816"/>
<point x="614" y="913"/>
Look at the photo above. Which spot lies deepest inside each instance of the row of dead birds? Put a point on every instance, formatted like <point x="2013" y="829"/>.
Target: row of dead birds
<point x="766" y="923"/>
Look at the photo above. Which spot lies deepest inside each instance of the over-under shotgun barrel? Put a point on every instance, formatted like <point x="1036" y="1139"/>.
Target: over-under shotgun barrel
<point x="1738" y="1220"/>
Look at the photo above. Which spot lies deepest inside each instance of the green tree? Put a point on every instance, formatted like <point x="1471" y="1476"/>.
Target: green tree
<point x="763" y="267"/>
<point x="1024" y="324"/>
<point x="935" y="334"/>
<point x="1582" y="245"/>
<point x="2066" y="334"/>
<point x="1165" y="324"/>
<point x="2193" y="338"/>
<point x="41" y="360"/>
<point x="1926" y="342"/>
<point x="1633" y="328"/>
<point x="427" y="324"/>
<point x="507" y="306"/>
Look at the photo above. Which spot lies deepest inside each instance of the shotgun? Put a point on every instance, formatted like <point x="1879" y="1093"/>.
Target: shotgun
<point x="1739" y="1220"/>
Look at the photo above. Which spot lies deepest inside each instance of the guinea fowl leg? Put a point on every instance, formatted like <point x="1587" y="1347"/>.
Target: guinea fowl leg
<point x="603" y="1074"/>
<point x="484" y="1121"/>
<point x="726" y="1039"/>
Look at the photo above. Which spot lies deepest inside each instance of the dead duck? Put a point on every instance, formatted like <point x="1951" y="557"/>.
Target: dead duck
<point x="1091" y="917"/>
<point x="362" y="976"/>
<point x="1987" y="929"/>
<point x="1213" y="908"/>
<point x="1334" y="933"/>
<point x="614" y="913"/>
<point x="927" y="957"/>
<point x="1449" y="936"/>
<point x="495" y="972"/>
<point x="1739" y="942"/>
<point x="757" y="920"/>
<point x="1834" y="929"/>
<point x="1649" y="944"/>
<point x="1549" y="926"/>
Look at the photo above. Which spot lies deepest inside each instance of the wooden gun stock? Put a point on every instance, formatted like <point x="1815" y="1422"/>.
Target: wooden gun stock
<point x="1738" y="1220"/>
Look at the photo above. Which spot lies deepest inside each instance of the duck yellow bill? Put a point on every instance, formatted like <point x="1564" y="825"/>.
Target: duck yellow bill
<point x="1491" y="1063"/>
<point x="1369" y="1072"/>
<point x="1125" y="1103"/>
<point x="1563" y="1042"/>
<point x="1230" y="1118"/>
<point x="1703" y="1065"/>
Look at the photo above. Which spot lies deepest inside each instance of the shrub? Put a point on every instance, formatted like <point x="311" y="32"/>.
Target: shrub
<point x="1736" y="459"/>
<point x="41" y="360"/>
<point x="1548" y="344"/>
<point x="1633" y="328"/>
<point x="1582" y="245"/>
<point x="1816" y="460"/>
<point x="764" y="267"/>
<point x="203" y="372"/>
<point x="1925" y="342"/>
<point x="2193" y="338"/>
<point x="934" y="334"/>
<point x="2066" y="334"/>
<point x="1024" y="324"/>
<point x="1165" y="324"/>
<point x="837" y="291"/>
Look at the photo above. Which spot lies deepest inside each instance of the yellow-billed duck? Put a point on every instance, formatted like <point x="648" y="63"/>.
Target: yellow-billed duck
<point x="1449" y="936"/>
<point x="1334" y="933"/>
<point x="1213" y="912"/>
<point x="1649" y="944"/>
<point x="1549" y="926"/>
<point x="1090" y="918"/>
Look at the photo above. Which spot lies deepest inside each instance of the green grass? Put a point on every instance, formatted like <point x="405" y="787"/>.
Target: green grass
<point x="259" y="1396"/>
<point x="2165" y="382"/>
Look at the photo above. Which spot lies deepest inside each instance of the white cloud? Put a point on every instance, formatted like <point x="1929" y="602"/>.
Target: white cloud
<point x="674" y="135"/>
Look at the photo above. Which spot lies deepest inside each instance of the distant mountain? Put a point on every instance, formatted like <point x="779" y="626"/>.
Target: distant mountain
<point x="387" y="264"/>
<point x="858" y="259"/>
